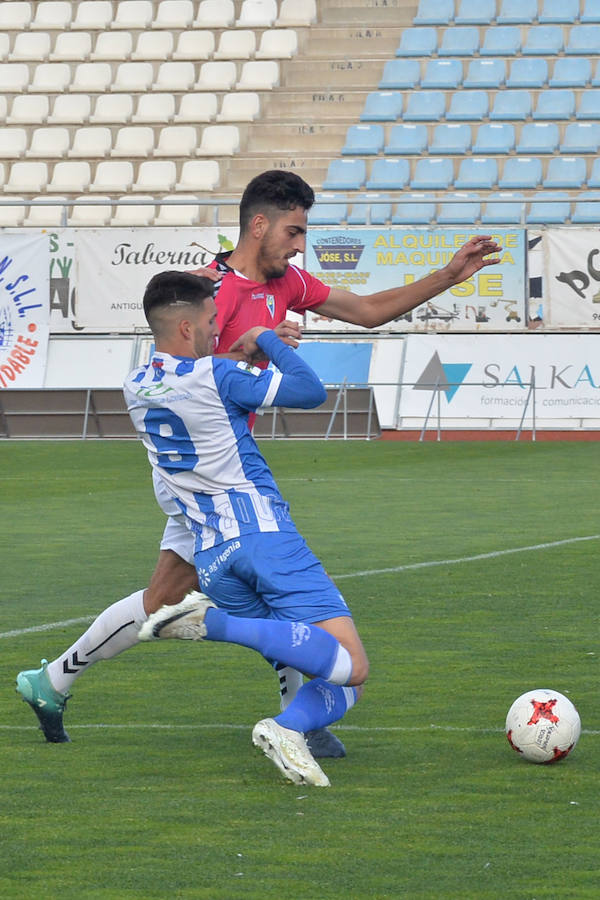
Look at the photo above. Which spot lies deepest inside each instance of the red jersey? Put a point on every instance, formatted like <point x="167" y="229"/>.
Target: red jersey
<point x="242" y="304"/>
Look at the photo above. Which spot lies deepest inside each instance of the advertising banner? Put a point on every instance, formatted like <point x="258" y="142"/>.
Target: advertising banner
<point x="366" y="260"/>
<point x="572" y="270"/>
<point x="24" y="310"/>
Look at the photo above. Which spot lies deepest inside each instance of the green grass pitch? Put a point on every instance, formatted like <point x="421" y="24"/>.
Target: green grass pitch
<point x="161" y="795"/>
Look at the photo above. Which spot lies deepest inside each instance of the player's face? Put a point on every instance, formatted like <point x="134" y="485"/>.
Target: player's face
<point x="284" y="237"/>
<point x="205" y="329"/>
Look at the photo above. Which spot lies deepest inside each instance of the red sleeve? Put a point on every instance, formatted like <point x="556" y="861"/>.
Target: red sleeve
<point x="309" y="291"/>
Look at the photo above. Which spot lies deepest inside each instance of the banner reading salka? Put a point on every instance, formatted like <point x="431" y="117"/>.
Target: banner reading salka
<point x="368" y="260"/>
<point x="115" y="265"/>
<point x="24" y="310"/>
<point x="572" y="269"/>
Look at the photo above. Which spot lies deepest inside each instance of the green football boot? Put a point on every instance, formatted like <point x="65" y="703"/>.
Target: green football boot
<point x="35" y="688"/>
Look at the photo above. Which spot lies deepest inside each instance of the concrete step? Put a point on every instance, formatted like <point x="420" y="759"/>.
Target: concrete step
<point x="313" y="106"/>
<point x="392" y="13"/>
<point x="332" y="75"/>
<point x="309" y="140"/>
<point x="242" y="168"/>
<point x="351" y="42"/>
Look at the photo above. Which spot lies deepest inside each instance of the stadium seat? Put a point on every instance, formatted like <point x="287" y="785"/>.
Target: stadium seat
<point x="538" y="137"/>
<point x="96" y="215"/>
<point x="130" y="213"/>
<point x="594" y="177"/>
<point x="72" y="46"/>
<point x="70" y="177"/>
<point x="243" y="106"/>
<point x="215" y="14"/>
<point x="31" y="47"/>
<point x="329" y="209"/>
<point x="51" y="78"/>
<point x="278" y="43"/>
<point x="48" y="143"/>
<point x="415" y="209"/>
<point x="175" y="76"/>
<point x="584" y="40"/>
<point x="596" y="78"/>
<point x="153" y="45"/>
<point x="406" y="139"/>
<point x="257" y="14"/>
<point x="91" y="78"/>
<point x="521" y="172"/>
<point x="581" y="137"/>
<point x="517" y="12"/>
<point x="219" y="140"/>
<point x="453" y="138"/>
<point x="434" y="12"/>
<point x="174" y="214"/>
<point x="297" y="12"/>
<point x="420" y="41"/>
<point x="587" y="212"/>
<point x="363" y="140"/>
<point x="527" y="73"/>
<point x="468" y="106"/>
<point x="51" y="16"/>
<point x="134" y="141"/>
<point x="345" y="175"/>
<point x="197" y="108"/>
<point x="442" y="73"/>
<point x="543" y="40"/>
<point x="177" y="140"/>
<point x="558" y="104"/>
<point x="216" y="76"/>
<point x="133" y="77"/>
<point x="174" y="15"/>
<point x="459" y="209"/>
<point x="46" y="216"/>
<point x="115" y="177"/>
<point x="555" y="212"/>
<point x="475" y="12"/>
<point x="425" y="106"/>
<point x="154" y="108"/>
<point x="570" y="72"/>
<point x="590" y="12"/>
<point x="28" y="109"/>
<point x="236" y="45"/>
<point x="199" y="175"/>
<point x="113" y="109"/>
<point x="432" y="174"/>
<point x="259" y="75"/>
<point x="4" y="47"/>
<point x="477" y="174"/>
<point x="501" y="40"/>
<point x="565" y="172"/>
<point x="112" y="45"/>
<point x="589" y="105"/>
<point x="495" y="137"/>
<point x="12" y="216"/>
<point x="27" y="177"/>
<point x="389" y="174"/>
<point x="133" y="14"/>
<point x="559" y="11"/>
<point x="195" y="45"/>
<point x="511" y="105"/>
<point x="156" y="175"/>
<point x="485" y="73"/>
<point x="92" y="15"/>
<point x="13" y="142"/>
<point x="70" y="109"/>
<point x="462" y="40"/>
<point x="503" y="209"/>
<point x="373" y="213"/>
<point x="15" y="16"/>
<point x="382" y="106"/>
<point x="400" y="74"/>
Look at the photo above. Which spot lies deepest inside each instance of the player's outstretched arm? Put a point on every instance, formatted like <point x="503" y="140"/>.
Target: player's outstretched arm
<point x="376" y="309"/>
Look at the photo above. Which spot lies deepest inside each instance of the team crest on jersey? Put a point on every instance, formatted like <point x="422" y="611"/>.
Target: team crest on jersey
<point x="270" y="303"/>
<point x="248" y="369"/>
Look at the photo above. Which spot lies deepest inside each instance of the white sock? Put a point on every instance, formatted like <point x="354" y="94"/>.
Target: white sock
<point x="290" y="682"/>
<point x="115" y="629"/>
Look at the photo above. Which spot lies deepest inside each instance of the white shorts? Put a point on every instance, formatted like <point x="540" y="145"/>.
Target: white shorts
<point x="178" y="537"/>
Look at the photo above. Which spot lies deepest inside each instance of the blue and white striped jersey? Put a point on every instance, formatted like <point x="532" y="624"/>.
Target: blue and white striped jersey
<point x="191" y="416"/>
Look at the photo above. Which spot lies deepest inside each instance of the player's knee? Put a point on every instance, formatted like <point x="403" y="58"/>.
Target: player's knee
<point x="360" y="670"/>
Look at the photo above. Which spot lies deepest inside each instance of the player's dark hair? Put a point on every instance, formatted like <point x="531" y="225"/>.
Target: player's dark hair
<point x="168" y="288"/>
<point x="277" y="189"/>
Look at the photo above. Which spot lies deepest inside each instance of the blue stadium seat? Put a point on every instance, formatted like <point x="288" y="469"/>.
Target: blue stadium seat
<point x="434" y="12"/>
<point x="452" y="138"/>
<point x="594" y="178"/>
<point x="517" y="12"/>
<point x="417" y="209"/>
<point x="521" y="172"/>
<point x="400" y="74"/>
<point x="558" y="104"/>
<point x="565" y="172"/>
<point x="485" y="73"/>
<point x="373" y="213"/>
<point x="559" y="11"/>
<point x="511" y="105"/>
<point x="581" y="137"/>
<point x="586" y="212"/>
<point x="543" y="40"/>
<point x="345" y="175"/>
<point x="591" y="11"/>
<point x="363" y="140"/>
<point x="468" y="106"/>
<point x="503" y="208"/>
<point x="432" y="174"/>
<point x="459" y="209"/>
<point x="442" y="73"/>
<point x="382" y="106"/>
<point x="554" y="213"/>
<point x="406" y="139"/>
<point x="569" y="72"/>
<point x="538" y="137"/>
<point x="424" y="106"/>
<point x="584" y="40"/>
<point x="389" y="174"/>
<point x="475" y="173"/>
<point x="495" y="137"/>
<point x="501" y="40"/>
<point x="329" y="209"/>
<point x="475" y="12"/>
<point x="420" y="41"/>
<point x="527" y="73"/>
<point x="596" y="78"/>
<point x="459" y="41"/>
<point x="589" y="105"/>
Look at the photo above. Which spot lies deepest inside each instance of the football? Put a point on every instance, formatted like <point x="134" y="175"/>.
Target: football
<point x="543" y="726"/>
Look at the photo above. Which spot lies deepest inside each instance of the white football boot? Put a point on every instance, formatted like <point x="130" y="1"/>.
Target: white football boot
<point x="183" y="621"/>
<point x="289" y="752"/>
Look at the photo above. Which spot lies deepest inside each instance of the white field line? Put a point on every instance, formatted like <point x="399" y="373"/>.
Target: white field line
<point x="49" y="626"/>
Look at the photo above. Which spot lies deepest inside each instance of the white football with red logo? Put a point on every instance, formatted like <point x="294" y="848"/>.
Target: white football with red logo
<point x="543" y="726"/>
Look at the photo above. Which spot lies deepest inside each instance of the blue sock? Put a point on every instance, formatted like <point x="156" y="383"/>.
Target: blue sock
<point x="318" y="703"/>
<point x="309" y="649"/>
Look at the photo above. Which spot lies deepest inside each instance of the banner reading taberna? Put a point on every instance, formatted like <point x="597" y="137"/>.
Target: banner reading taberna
<point x="368" y="260"/>
<point x="24" y="310"/>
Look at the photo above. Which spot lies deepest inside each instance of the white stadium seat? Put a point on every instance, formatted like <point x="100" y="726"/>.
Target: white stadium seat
<point x="236" y="45"/>
<point x="157" y="108"/>
<point x="13" y="142"/>
<point x="278" y="43"/>
<point x="177" y="140"/>
<point x="91" y="215"/>
<point x="112" y="108"/>
<point x="133" y="214"/>
<point x="47" y="215"/>
<point x="197" y="108"/>
<point x="15" y="16"/>
<point x="111" y="45"/>
<point x="72" y="46"/>
<point x="91" y="78"/>
<point x="31" y="47"/>
<point x="133" y="14"/>
<point x="156" y="175"/>
<point x="175" y="76"/>
<point x="172" y="214"/>
<point x="51" y="78"/>
<point x="257" y="14"/>
<point x="113" y="176"/>
<point x="51" y="15"/>
<point x="49" y="143"/>
<point x="297" y="12"/>
<point x="134" y="140"/>
<point x="4" y="46"/>
<point x="219" y="140"/>
<point x="70" y="109"/>
<point x="194" y="45"/>
<point x="14" y="77"/>
<point x="3" y="108"/>
<point x="93" y="15"/>
<point x="216" y="76"/>
<point x="242" y="106"/>
<point x="215" y="14"/>
<point x="12" y="216"/>
<point x="91" y="142"/>
<point x="2" y="173"/>
<point x="199" y="175"/>
<point x="260" y="75"/>
<point x="153" y="45"/>
<point x="28" y="109"/>
<point x="133" y="76"/>
<point x="70" y="177"/>
<point x="27" y="177"/>
<point x="174" y="14"/>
